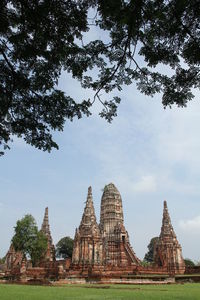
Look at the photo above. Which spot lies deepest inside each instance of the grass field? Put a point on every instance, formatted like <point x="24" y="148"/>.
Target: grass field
<point x="108" y="292"/>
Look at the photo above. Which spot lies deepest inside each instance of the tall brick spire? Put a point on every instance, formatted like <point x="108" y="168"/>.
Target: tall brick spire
<point x="87" y="248"/>
<point x="50" y="254"/>
<point x="45" y="224"/>
<point x="167" y="230"/>
<point x="168" y="251"/>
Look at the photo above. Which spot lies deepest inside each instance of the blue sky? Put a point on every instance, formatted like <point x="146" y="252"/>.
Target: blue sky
<point x="149" y="153"/>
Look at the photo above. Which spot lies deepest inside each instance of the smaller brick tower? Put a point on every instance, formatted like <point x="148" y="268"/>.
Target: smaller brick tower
<point x="13" y="258"/>
<point x="50" y="253"/>
<point x="168" y="251"/>
<point x="87" y="248"/>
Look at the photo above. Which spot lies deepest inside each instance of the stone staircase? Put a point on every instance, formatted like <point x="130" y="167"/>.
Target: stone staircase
<point x="131" y="254"/>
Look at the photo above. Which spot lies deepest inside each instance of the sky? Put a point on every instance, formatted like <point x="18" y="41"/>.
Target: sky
<point x="150" y="153"/>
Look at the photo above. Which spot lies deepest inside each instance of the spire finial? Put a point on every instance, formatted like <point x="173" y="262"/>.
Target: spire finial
<point x="89" y="191"/>
<point x="165" y="204"/>
<point x="46" y="211"/>
<point x="89" y="195"/>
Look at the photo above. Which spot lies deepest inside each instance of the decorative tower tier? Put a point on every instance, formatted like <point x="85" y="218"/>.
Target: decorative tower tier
<point x="116" y="246"/>
<point x="168" y="251"/>
<point x="87" y="248"/>
<point x="50" y="253"/>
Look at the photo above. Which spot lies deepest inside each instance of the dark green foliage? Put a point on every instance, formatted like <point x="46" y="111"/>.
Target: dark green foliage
<point x="40" y="38"/>
<point x="145" y="263"/>
<point x="161" y="32"/>
<point x="2" y="260"/>
<point x="39" y="247"/>
<point x="37" y="40"/>
<point x="64" y="247"/>
<point x="189" y="262"/>
<point x="29" y="240"/>
<point x="149" y="255"/>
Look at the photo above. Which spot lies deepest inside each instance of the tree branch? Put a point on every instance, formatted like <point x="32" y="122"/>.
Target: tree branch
<point x="113" y="73"/>
<point x="7" y="61"/>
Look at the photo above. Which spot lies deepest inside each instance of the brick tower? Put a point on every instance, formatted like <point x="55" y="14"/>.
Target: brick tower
<point x="50" y="253"/>
<point x="116" y="246"/>
<point x="87" y="248"/>
<point x="168" y="251"/>
<point x="13" y="258"/>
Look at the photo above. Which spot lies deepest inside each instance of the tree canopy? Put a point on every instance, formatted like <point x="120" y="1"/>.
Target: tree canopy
<point x="64" y="247"/>
<point x="189" y="262"/>
<point x="154" y="43"/>
<point x="149" y="255"/>
<point x="2" y="260"/>
<point x="28" y="240"/>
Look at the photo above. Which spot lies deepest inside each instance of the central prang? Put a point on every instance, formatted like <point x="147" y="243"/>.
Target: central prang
<point x="107" y="243"/>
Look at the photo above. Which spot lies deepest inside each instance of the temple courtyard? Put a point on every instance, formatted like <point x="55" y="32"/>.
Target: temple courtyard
<point x="98" y="292"/>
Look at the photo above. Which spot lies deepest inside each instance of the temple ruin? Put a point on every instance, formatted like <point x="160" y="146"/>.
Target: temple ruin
<point x="116" y="246"/>
<point x="13" y="258"/>
<point x="102" y="250"/>
<point x="50" y="254"/>
<point x="107" y="243"/>
<point x="87" y="241"/>
<point x="168" y="251"/>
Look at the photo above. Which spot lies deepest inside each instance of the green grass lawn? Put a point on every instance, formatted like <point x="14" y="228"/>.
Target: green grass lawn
<point x="108" y="292"/>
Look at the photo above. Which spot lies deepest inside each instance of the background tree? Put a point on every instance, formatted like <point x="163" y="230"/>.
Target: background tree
<point x="149" y="255"/>
<point x="2" y="260"/>
<point x="64" y="247"/>
<point x="145" y="263"/>
<point x="155" y="44"/>
<point x="39" y="248"/>
<point x="189" y="262"/>
<point x="28" y="240"/>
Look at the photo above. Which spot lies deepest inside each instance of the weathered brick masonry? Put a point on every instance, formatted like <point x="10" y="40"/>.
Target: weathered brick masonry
<point x="101" y="250"/>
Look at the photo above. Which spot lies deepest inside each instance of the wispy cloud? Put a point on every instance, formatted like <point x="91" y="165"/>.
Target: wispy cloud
<point x="146" y="184"/>
<point x="190" y="225"/>
<point x="178" y="141"/>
